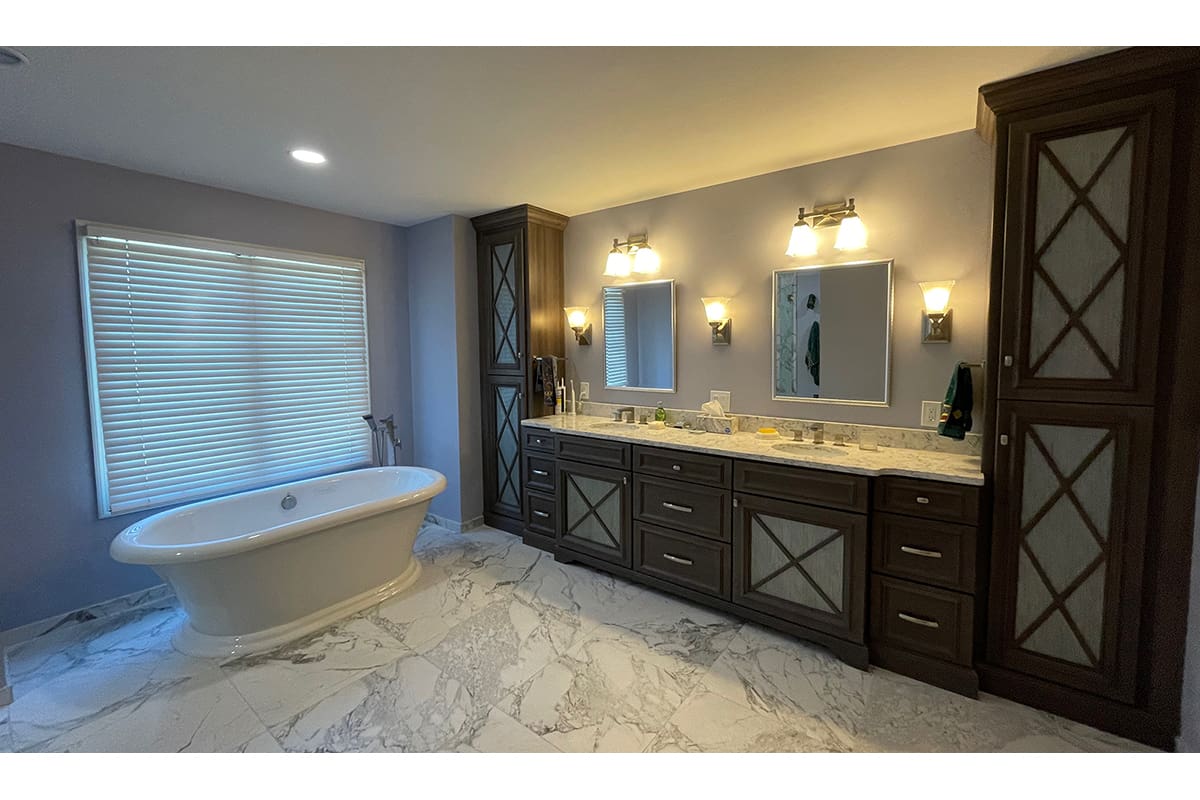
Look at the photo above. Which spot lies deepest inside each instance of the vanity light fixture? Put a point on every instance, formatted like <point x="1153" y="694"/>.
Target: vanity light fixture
<point x="577" y="319"/>
<point x="632" y="255"/>
<point x="937" y="310"/>
<point x="852" y="234"/>
<point x="717" y="311"/>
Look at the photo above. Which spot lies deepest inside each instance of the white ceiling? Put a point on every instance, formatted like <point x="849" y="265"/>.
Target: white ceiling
<point x="415" y="133"/>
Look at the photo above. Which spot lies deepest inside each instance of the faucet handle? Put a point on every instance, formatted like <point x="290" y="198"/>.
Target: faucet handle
<point x="798" y="434"/>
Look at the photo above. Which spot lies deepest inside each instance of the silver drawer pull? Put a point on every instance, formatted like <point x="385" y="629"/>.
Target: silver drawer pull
<point x="541" y="472"/>
<point x="542" y="514"/>
<point x="920" y="551"/>
<point x="674" y="507"/>
<point x="676" y="467"/>
<point x="924" y="623"/>
<point x="922" y="499"/>
<point x="687" y="562"/>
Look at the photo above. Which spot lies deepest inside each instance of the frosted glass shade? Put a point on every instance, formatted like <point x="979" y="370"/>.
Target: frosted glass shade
<point x="937" y="296"/>
<point x="645" y="260"/>
<point x="803" y="241"/>
<point x="716" y="308"/>
<point x="576" y="316"/>
<point x="617" y="265"/>
<point x="852" y="234"/>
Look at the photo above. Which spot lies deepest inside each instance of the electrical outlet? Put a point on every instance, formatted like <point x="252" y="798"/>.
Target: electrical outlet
<point x="931" y="413"/>
<point x="722" y="398"/>
<point x="585" y="389"/>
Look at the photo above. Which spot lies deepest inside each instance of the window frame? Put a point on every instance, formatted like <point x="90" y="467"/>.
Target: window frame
<point x="87" y="228"/>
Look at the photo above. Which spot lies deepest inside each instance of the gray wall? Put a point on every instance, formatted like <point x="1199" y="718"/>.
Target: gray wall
<point x="444" y="330"/>
<point x="925" y="204"/>
<point x="53" y="548"/>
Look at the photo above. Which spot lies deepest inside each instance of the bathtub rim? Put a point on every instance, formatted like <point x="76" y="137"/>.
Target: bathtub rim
<point x="126" y="549"/>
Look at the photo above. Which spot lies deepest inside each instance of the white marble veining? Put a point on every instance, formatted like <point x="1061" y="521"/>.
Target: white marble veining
<point x="931" y="465"/>
<point x="503" y="650"/>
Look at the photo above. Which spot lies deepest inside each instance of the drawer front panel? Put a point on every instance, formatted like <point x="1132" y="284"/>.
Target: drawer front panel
<point x="814" y="486"/>
<point x="946" y="501"/>
<point x="940" y="553"/>
<point x="688" y="508"/>
<point x="676" y="464"/>
<point x="539" y="513"/>
<point x="539" y="440"/>
<point x="539" y="473"/>
<point x="593" y="451"/>
<point x="922" y="619"/>
<point x="698" y="564"/>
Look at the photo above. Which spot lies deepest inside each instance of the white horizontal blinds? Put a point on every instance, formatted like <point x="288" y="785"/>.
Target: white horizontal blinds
<point x="615" y="360"/>
<point x="215" y="370"/>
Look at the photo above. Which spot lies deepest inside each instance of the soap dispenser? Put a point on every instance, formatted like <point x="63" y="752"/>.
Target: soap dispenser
<point x="660" y="414"/>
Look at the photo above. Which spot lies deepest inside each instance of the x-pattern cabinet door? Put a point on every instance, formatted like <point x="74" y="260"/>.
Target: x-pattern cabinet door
<point x="503" y="334"/>
<point x="1070" y="542"/>
<point x="801" y="563"/>
<point x="504" y="409"/>
<point x="594" y="507"/>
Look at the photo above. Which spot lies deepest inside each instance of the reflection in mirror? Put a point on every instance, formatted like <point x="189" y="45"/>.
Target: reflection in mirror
<point x="639" y="336"/>
<point x="832" y="333"/>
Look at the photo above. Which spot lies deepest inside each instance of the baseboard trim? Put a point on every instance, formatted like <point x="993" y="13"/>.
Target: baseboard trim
<point x="453" y="525"/>
<point x="105" y="608"/>
<point x="6" y="695"/>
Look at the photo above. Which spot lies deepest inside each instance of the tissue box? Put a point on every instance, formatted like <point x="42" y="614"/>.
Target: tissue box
<point x="711" y="424"/>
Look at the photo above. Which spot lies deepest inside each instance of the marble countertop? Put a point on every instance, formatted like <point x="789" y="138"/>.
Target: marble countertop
<point x="949" y="467"/>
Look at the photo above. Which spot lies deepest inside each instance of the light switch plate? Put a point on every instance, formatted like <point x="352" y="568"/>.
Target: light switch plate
<point x="722" y="398"/>
<point x="585" y="389"/>
<point x="931" y="413"/>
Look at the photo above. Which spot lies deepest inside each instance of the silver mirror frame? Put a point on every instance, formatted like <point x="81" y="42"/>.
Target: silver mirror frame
<point x="887" y="357"/>
<point x="674" y="339"/>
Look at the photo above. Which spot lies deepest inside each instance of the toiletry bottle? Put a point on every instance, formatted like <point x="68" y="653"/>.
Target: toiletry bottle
<point x="558" y="398"/>
<point x="572" y="409"/>
<point x="660" y="414"/>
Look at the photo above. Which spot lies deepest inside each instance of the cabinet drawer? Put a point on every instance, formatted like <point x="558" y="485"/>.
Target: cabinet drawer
<point x="922" y="619"/>
<point x="680" y="465"/>
<point x="688" y="508"/>
<point x="698" y="564"/>
<point x="924" y="550"/>
<point x="539" y="472"/>
<point x="818" y="487"/>
<point x="540" y="513"/>
<point x="947" y="501"/>
<point x="539" y="440"/>
<point x="592" y="451"/>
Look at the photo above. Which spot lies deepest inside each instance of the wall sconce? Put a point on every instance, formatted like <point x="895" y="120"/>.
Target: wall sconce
<point x="937" y="310"/>
<point x="631" y="256"/>
<point x="852" y="234"/>
<point x="717" y="311"/>
<point x="577" y="319"/>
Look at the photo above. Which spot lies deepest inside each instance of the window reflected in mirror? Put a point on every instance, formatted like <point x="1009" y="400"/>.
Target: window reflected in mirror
<point x="639" y="336"/>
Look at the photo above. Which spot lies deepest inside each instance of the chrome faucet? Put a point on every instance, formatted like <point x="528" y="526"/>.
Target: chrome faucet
<point x="818" y="432"/>
<point x="619" y="414"/>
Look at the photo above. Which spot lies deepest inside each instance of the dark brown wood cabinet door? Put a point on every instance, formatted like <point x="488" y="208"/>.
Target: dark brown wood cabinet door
<point x="1083" y="260"/>
<point x="802" y="563"/>
<point x="1069" y="542"/>
<point x="502" y="301"/>
<point x="504" y="408"/>
<point x="594" y="511"/>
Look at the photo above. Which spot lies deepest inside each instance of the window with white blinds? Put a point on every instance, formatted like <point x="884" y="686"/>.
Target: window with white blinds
<point x="215" y="367"/>
<point x="616" y="368"/>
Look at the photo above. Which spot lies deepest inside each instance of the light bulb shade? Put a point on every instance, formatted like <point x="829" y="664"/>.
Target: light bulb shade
<point x="803" y="242"/>
<point x="576" y="316"/>
<point x="645" y="260"/>
<point x="937" y="296"/>
<point x="617" y="265"/>
<point x="852" y="234"/>
<point x="716" y="308"/>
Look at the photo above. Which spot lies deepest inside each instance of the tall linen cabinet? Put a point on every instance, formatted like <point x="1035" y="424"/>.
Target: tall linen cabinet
<point x="1092" y="398"/>
<point x="520" y="260"/>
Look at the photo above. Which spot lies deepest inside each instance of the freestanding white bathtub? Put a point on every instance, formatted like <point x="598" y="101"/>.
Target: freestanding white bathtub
<point x="256" y="570"/>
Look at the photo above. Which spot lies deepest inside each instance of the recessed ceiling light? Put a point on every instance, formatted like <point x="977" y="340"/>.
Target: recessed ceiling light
<point x="12" y="57"/>
<point x="308" y="156"/>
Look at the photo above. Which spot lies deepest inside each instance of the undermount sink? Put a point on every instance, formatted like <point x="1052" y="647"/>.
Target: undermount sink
<point x="595" y="426"/>
<point x="801" y="448"/>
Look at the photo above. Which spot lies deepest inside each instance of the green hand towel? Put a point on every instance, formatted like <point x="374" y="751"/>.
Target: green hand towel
<point x="812" y="357"/>
<point x="956" y="408"/>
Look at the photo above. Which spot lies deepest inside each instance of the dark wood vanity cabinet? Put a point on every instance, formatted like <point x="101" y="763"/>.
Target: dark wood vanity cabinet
<point x="594" y="511"/>
<point x="520" y="257"/>
<point x="1092" y="318"/>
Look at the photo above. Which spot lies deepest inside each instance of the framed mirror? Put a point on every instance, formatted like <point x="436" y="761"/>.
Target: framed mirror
<point x="831" y="328"/>
<point x="639" y="336"/>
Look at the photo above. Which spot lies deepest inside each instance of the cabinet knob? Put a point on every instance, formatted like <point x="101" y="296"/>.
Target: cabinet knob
<point x="1008" y="361"/>
<point x="922" y="499"/>
<point x="676" y="467"/>
<point x="1003" y="438"/>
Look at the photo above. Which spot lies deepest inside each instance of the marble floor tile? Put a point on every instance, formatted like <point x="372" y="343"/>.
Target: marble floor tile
<point x="408" y="706"/>
<point x="589" y="596"/>
<point x="158" y="701"/>
<point x="497" y="732"/>
<point x="289" y="679"/>
<point x="710" y="723"/>
<point x="262" y="742"/>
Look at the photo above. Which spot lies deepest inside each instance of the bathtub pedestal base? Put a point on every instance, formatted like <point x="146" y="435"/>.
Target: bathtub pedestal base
<point x="192" y="642"/>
